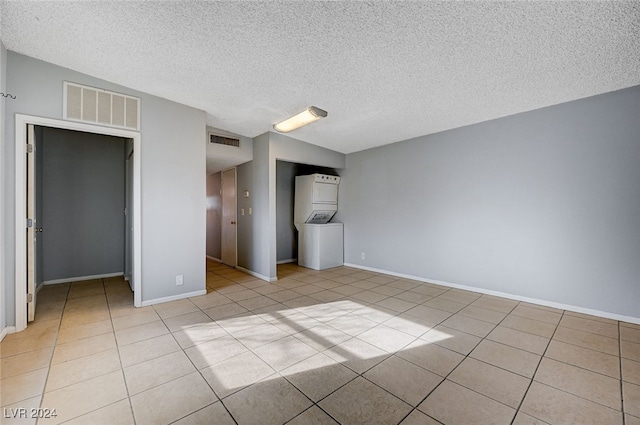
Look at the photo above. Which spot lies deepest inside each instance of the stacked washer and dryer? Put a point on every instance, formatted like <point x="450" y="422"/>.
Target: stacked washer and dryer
<point x="320" y="242"/>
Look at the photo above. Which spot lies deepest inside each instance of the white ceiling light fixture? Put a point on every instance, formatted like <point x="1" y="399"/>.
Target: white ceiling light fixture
<point x="305" y="117"/>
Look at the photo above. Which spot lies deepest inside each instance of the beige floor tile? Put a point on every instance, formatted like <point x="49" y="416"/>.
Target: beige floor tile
<point x="318" y="376"/>
<point x="74" y="333"/>
<point x="537" y="314"/>
<point x="418" y="418"/>
<point x="591" y="326"/>
<point x="357" y="355"/>
<point x="493" y="382"/>
<point x="489" y="302"/>
<point x="591" y="317"/>
<point x="85" y="397"/>
<point x="518" y="339"/>
<point x="35" y="331"/>
<point x="132" y="320"/>
<point x="631" y="396"/>
<point x="361" y="402"/>
<point x="460" y="296"/>
<point x="469" y="406"/>
<point x="141" y="332"/>
<point x="215" y="351"/>
<point x="22" y="387"/>
<point x="631" y="420"/>
<point x="444" y="304"/>
<point x="147" y="349"/>
<point x="322" y="337"/>
<point x="236" y="373"/>
<point x="184" y="321"/>
<point x="82" y="369"/>
<point x="27" y="362"/>
<point x="382" y="279"/>
<point x="581" y="382"/>
<point x="87" y="288"/>
<point x="630" y="350"/>
<point x="429" y="314"/>
<point x="14" y="347"/>
<point x="531" y="326"/>
<point x="631" y="371"/>
<point x="54" y="292"/>
<point x="587" y="340"/>
<point x="199" y="334"/>
<point x="120" y="310"/>
<point x="352" y="324"/>
<point x="207" y="415"/>
<point x="242" y="295"/>
<point x="169" y="402"/>
<point x="431" y="357"/>
<point x="312" y="416"/>
<point x="152" y="373"/>
<point x="20" y="412"/>
<point x="330" y="296"/>
<point x="512" y="359"/>
<point x="484" y="314"/>
<point x="257" y="302"/>
<point x="630" y="334"/>
<point x="83" y="347"/>
<point x="387" y="338"/>
<point x="270" y="402"/>
<point x="388" y="290"/>
<point x="524" y="419"/>
<point x="49" y="310"/>
<point x="260" y="335"/>
<point x="175" y="308"/>
<point x="554" y="406"/>
<point x="284" y="352"/>
<point x="225" y="311"/>
<point x="396" y="304"/>
<point x="411" y="325"/>
<point x="89" y="316"/>
<point x="403" y="379"/>
<point x="586" y="358"/>
<point x="86" y="304"/>
<point x="414" y="297"/>
<point x="240" y="323"/>
<point x="452" y="339"/>
<point x="118" y="413"/>
<point x="210" y="300"/>
<point x="469" y="325"/>
<point x="429" y="289"/>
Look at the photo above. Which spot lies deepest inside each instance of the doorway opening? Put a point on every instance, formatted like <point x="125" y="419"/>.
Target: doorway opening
<point x="27" y="271"/>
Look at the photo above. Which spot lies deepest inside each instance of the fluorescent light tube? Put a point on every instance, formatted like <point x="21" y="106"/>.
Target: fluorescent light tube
<point x="305" y="117"/>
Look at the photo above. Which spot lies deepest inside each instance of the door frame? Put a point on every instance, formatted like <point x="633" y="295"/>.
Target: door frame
<point x="21" y="122"/>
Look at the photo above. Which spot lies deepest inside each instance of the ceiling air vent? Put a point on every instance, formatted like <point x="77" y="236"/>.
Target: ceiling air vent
<point x="221" y="140"/>
<point x="97" y="106"/>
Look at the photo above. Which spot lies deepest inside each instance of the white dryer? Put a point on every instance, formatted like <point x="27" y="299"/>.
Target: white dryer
<point x="320" y="243"/>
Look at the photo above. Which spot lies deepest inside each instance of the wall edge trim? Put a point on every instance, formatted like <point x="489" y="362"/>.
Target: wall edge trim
<point x="258" y="275"/>
<point x="74" y="279"/>
<point x="7" y="330"/>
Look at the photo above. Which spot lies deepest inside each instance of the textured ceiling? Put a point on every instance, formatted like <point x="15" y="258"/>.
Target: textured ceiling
<point x="385" y="71"/>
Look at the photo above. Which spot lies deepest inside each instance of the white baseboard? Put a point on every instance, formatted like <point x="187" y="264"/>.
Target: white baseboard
<point x="7" y="330"/>
<point x="217" y="260"/>
<point x="577" y="309"/>
<point x="80" y="278"/>
<point x="173" y="298"/>
<point x="290" y="260"/>
<point x="258" y="275"/>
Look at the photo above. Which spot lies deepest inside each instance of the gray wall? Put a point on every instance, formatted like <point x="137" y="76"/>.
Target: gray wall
<point x="543" y="204"/>
<point x="287" y="246"/>
<point x="83" y="201"/>
<point x="214" y="214"/>
<point x="173" y="199"/>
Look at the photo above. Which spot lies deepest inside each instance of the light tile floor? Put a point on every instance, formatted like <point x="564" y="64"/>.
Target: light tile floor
<point x="338" y="346"/>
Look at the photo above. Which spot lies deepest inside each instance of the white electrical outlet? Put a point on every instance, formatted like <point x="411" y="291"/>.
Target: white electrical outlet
<point x="180" y="280"/>
<point x="362" y="255"/>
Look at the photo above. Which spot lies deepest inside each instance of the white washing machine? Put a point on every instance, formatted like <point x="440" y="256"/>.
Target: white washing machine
<point x="320" y="246"/>
<point x="320" y="243"/>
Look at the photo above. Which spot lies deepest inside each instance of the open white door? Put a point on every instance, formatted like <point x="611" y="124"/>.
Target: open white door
<point x="229" y="218"/>
<point x="31" y="223"/>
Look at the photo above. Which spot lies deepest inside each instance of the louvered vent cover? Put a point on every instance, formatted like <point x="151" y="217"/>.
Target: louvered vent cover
<point x="221" y="140"/>
<point x="97" y="106"/>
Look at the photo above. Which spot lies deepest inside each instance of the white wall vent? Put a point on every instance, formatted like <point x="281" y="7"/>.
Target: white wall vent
<point x="222" y="140"/>
<point x="97" y="106"/>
